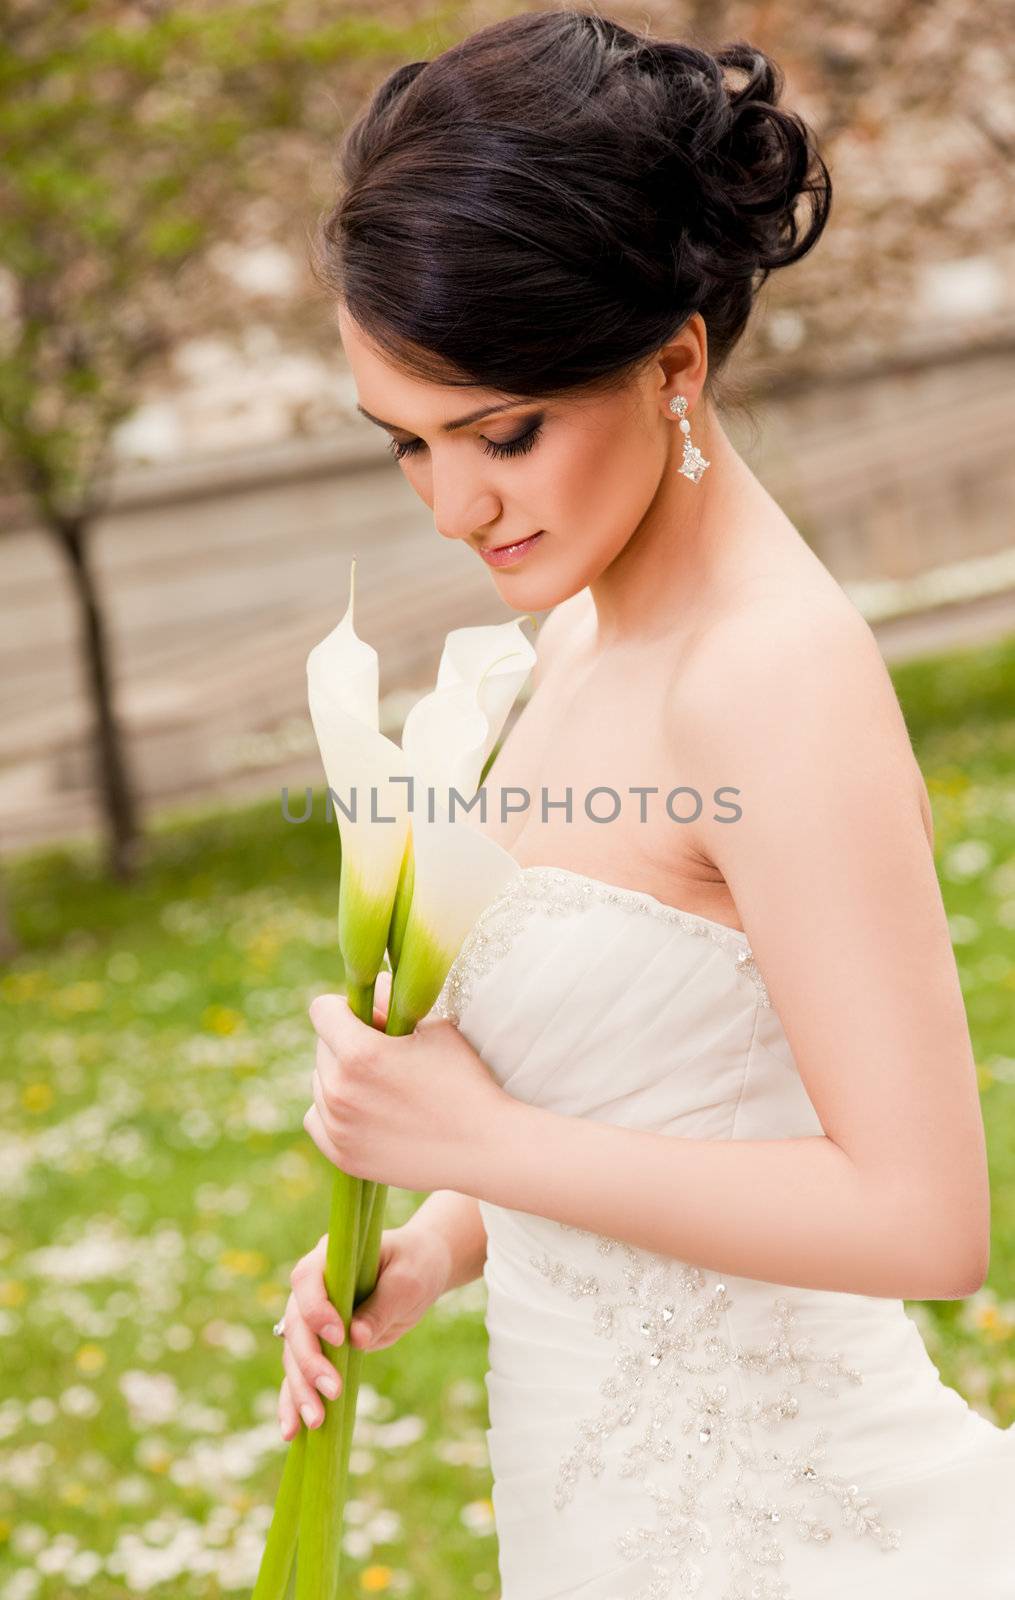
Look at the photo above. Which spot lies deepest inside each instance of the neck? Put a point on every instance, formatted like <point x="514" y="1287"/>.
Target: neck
<point x="684" y="545"/>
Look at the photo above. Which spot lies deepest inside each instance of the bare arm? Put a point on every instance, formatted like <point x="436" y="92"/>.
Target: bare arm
<point x="790" y="1211"/>
<point x="454" y="1219"/>
<point x="833" y="875"/>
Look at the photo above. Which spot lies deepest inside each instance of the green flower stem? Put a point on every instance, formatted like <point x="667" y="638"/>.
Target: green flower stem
<point x="280" y="1547"/>
<point x="320" y="1528"/>
<point x="276" y="1569"/>
<point x="365" y="1283"/>
<point x="361" y="1000"/>
<point x="373" y="1207"/>
<point x="309" y="1508"/>
<point x="322" y="1497"/>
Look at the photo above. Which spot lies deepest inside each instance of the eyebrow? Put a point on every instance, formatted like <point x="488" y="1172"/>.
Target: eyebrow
<point x="448" y="427"/>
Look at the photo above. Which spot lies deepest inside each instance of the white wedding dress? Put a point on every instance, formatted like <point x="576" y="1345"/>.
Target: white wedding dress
<point x="660" y="1431"/>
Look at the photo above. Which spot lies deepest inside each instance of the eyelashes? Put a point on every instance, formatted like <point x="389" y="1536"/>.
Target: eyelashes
<point x="511" y="447"/>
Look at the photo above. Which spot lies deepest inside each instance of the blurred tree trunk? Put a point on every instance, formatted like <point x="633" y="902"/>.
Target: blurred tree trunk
<point x="8" y="942"/>
<point x="113" y="778"/>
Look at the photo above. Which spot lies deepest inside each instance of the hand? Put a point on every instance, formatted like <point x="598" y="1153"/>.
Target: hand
<point x="412" y="1273"/>
<point x="418" y="1112"/>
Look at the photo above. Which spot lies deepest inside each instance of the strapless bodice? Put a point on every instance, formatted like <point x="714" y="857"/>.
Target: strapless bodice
<point x="659" y="1429"/>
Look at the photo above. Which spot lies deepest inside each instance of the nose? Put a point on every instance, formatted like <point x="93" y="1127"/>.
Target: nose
<point x="462" y="506"/>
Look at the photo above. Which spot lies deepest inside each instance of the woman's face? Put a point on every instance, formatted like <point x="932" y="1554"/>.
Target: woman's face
<point x="580" y="473"/>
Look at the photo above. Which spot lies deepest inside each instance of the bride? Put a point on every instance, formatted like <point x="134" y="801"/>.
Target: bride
<point x="698" y="1097"/>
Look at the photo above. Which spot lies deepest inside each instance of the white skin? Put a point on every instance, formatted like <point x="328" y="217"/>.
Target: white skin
<point x="693" y="639"/>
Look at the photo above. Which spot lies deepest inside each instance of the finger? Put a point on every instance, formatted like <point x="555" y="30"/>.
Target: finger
<point x="315" y="1367"/>
<point x="373" y="1318"/>
<point x="311" y="1299"/>
<point x="370" y="1318"/>
<point x="326" y="1063"/>
<point x="315" y="1127"/>
<point x="308" y="1402"/>
<point x="337" y="1024"/>
<point x="288" y="1416"/>
<point x="382" y="998"/>
<point x="326" y="1085"/>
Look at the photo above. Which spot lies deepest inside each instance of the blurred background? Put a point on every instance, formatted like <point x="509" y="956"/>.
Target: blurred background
<point x="183" y="480"/>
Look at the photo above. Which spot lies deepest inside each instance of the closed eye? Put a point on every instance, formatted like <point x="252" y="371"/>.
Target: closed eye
<point x="511" y="447"/>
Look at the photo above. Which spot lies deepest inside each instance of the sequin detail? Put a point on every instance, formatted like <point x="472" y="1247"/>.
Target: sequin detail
<point x="559" y="892"/>
<point x="669" y="1376"/>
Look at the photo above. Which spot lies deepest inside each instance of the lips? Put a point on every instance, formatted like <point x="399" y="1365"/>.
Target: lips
<point x="503" y="554"/>
<point x="491" y="549"/>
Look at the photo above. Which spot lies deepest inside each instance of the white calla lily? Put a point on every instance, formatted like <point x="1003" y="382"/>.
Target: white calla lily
<point x="359" y="763"/>
<point x="450" y="732"/>
<point x="452" y="871"/>
<point x="415" y="876"/>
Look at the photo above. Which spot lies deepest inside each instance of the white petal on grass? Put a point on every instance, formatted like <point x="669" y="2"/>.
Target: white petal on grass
<point x="463" y="1452"/>
<point x="132" y="1490"/>
<point x="80" y="1401"/>
<point x="385" y="1526"/>
<point x="464" y="1392"/>
<point x="197" y="1417"/>
<point x="357" y="1544"/>
<point x="23" y="1585"/>
<point x="234" y="1337"/>
<point x="83" y="1567"/>
<point x="356" y="1512"/>
<point x="234" y="1200"/>
<point x="392" y="1435"/>
<point x="123" y="966"/>
<point x="27" y="1469"/>
<point x="28" y="1539"/>
<point x="967" y="859"/>
<point x="12" y="1415"/>
<point x="198" y="1128"/>
<point x="478" y="1517"/>
<point x="208" y="1464"/>
<point x="372" y="1403"/>
<point x="152" y="1397"/>
<point x="56" y="1557"/>
<point x="104" y="1251"/>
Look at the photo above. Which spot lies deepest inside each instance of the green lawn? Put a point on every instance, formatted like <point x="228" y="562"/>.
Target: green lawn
<point x="159" y="1185"/>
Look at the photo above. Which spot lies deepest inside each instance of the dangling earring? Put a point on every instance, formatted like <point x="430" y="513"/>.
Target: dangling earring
<point x="694" y="463"/>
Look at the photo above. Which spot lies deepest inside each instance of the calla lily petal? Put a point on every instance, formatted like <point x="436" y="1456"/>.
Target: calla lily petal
<point x="449" y="732"/>
<point x="362" y="768"/>
<point x="457" y="871"/>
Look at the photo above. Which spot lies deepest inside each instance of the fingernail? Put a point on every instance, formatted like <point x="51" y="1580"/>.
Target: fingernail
<point x="333" y="1333"/>
<point x="309" y="1414"/>
<point x="361" y="1330"/>
<point x="327" y="1385"/>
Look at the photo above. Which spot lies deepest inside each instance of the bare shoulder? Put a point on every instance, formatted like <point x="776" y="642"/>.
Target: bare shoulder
<point x="560" y="626"/>
<point x="788" y="702"/>
<point x="802" y="663"/>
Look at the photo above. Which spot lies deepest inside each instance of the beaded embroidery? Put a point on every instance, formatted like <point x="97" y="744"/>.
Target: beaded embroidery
<point x="558" y="891"/>
<point x="669" y="1376"/>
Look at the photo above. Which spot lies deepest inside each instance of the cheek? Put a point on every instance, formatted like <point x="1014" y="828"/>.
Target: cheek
<point x="599" y="489"/>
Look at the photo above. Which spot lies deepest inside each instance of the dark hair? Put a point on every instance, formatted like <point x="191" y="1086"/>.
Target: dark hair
<point x="545" y="203"/>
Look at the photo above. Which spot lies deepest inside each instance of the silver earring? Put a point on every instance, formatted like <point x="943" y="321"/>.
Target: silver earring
<point x="694" y="463"/>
